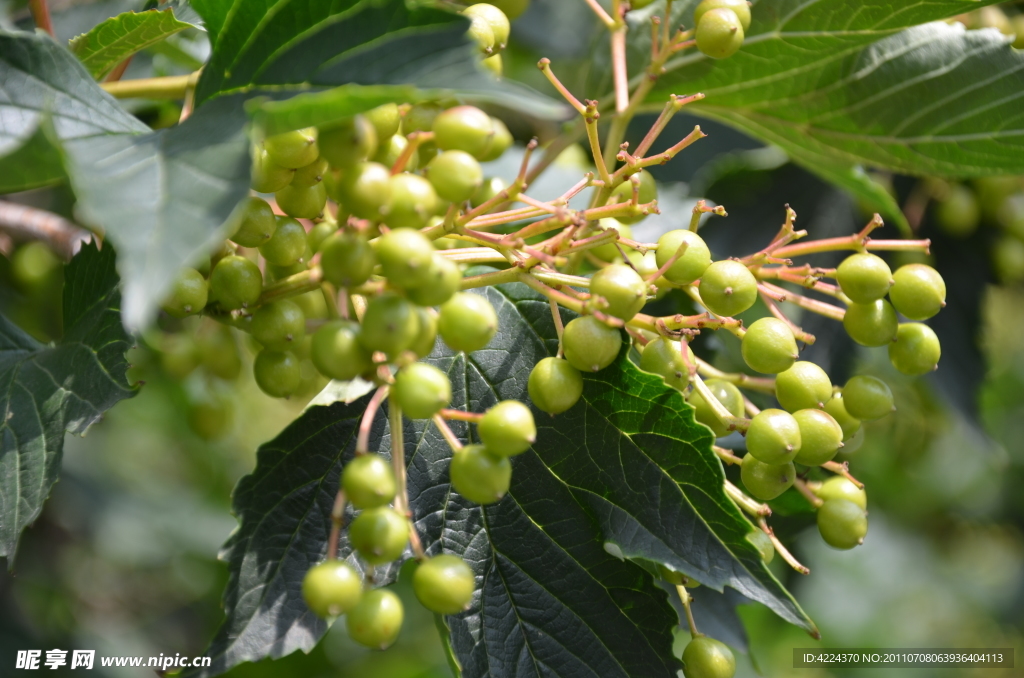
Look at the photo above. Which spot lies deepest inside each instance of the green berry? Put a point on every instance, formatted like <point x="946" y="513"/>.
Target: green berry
<point x="368" y="482"/>
<point x="376" y="620"/>
<point x="267" y="175"/>
<point x="821" y="436"/>
<point x="337" y="353"/>
<point x="769" y="346"/>
<point x="773" y="437"/>
<point x="480" y="32"/>
<point x="467" y="322"/>
<point x="918" y="291"/>
<point x="442" y="282"/>
<point x="589" y="344"/>
<point x="554" y="385"/>
<point x="279" y="325"/>
<point x="803" y="386"/>
<point x="412" y="202"/>
<point x="256" y="225"/>
<point x="837" y="408"/>
<point x="871" y="324"/>
<point x="1008" y="260"/>
<point x="421" y="390"/>
<point x="691" y="264"/>
<point x="663" y="357"/>
<point x="495" y="19"/>
<point x="386" y="120"/>
<point x="211" y="416"/>
<point x="511" y="8"/>
<point x="379" y="534"/>
<point x="277" y="372"/>
<point x="332" y="588"/>
<point x="293" y="149"/>
<point x="727" y="394"/>
<point x="864" y="277"/>
<point x="390" y="325"/>
<point x="867" y="398"/>
<point x="488" y="190"/>
<point x="838" y="487"/>
<point x="405" y="255"/>
<point x="719" y="33"/>
<point x="706" y="657"/>
<point x="189" y="294"/>
<point x="302" y="202"/>
<point x="464" y="128"/>
<point x="423" y="344"/>
<point x="235" y="282"/>
<point x="480" y="476"/>
<point x="455" y="175"/>
<point x="740" y="7"/>
<point x="421" y="117"/>
<point x="502" y="139"/>
<point x="347" y="259"/>
<point x="959" y="212"/>
<point x="842" y="523"/>
<point x="916" y="350"/>
<point x="311" y="174"/>
<point x="728" y="288"/>
<point x="507" y="429"/>
<point x="444" y="584"/>
<point x="219" y="353"/>
<point x="392" y="149"/>
<point x="610" y="252"/>
<point x="496" y="65"/>
<point x="647" y="192"/>
<point x="320" y="232"/>
<point x="766" y="481"/>
<point x="763" y="543"/>
<point x="365" y="189"/>
<point x="623" y="289"/>
<point x="288" y="244"/>
<point x="349" y="142"/>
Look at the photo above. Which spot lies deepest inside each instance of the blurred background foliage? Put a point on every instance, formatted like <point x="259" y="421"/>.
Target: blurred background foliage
<point x="123" y="559"/>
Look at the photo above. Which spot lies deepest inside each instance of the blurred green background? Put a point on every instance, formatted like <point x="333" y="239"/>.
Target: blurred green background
<point x="123" y="559"/>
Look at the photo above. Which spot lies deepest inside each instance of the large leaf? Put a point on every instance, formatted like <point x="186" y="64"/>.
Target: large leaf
<point x="112" y="41"/>
<point x="49" y="389"/>
<point x="40" y="80"/>
<point x="163" y="198"/>
<point x="626" y="471"/>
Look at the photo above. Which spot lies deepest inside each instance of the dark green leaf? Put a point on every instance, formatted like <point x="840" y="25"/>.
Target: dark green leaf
<point x="163" y="199"/>
<point x="40" y="79"/>
<point x="36" y="163"/>
<point x="627" y="470"/>
<point x="48" y="390"/>
<point x="111" y="42"/>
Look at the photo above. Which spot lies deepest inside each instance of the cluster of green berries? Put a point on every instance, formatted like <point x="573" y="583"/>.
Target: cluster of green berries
<point x="489" y="28"/>
<point x="720" y="26"/>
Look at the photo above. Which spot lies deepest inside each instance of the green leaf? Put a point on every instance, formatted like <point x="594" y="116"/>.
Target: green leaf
<point x="114" y="40"/>
<point x="327" y="106"/>
<point x="39" y="79"/>
<point x="50" y="389"/>
<point x="627" y="470"/>
<point x="164" y="199"/>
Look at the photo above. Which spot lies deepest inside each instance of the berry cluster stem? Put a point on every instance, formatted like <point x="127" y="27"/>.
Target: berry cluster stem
<point x="337" y="523"/>
<point x="685" y="598"/>
<point x="366" y="423"/>
<point x="752" y="507"/>
<point x="782" y="550"/>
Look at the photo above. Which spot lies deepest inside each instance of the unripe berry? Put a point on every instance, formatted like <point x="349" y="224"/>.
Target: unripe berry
<point x="267" y="175"/>
<point x="235" y="282"/>
<point x="293" y="149"/>
<point x="727" y="394"/>
<point x="210" y="417"/>
<point x="348" y="142"/>
<point x="444" y="584"/>
<point x="455" y="175"/>
<point x="189" y="294"/>
<point x="610" y="252"/>
<point x="423" y="344"/>
<point x="871" y="324"/>
<point x="864" y="277"/>
<point x="311" y="174"/>
<point x="288" y="244"/>
<point x="623" y="289"/>
<point x="488" y="190"/>
<point x="842" y="523"/>
<point x="803" y="386"/>
<point x="379" y="534"/>
<point x="647" y="192"/>
<point x="376" y="620"/>
<point x="412" y="202"/>
<point x="480" y="476"/>
<point x="589" y="344"/>
<point x="337" y="353"/>
<point x="257" y="223"/>
<point x="219" y="353"/>
<point x="494" y="18"/>
<point x="302" y="202"/>
<point x="511" y="8"/>
<point x="959" y="212"/>
<point x="442" y="282"/>
<point x="467" y="322"/>
<point x="916" y="350"/>
<point x="405" y="255"/>
<point x="464" y="128"/>
<point x="728" y="288"/>
<point x="867" y="398"/>
<point x="773" y="437"/>
<point x="740" y="7"/>
<point x="663" y="357"/>
<point x="480" y="32"/>
<point x="390" y="325"/>
<point x="386" y="120"/>
<point x="421" y="117"/>
<point x="719" y="34"/>
<point x="706" y="657"/>
<point x="769" y="346"/>
<point x="392" y="149"/>
<point x="365" y="189"/>
<point x="821" y="436"/>
<point x="347" y="259"/>
<point x="279" y="325"/>
<point x="277" y="373"/>
<point x="368" y="482"/>
<point x="918" y="292"/>
<point x="332" y="588"/>
<point x="320" y="232"/>
<point x="766" y="481"/>
<point x="690" y="265"/>
<point x="502" y="139"/>
<point x="838" y="487"/>
<point x="763" y="543"/>
<point x="507" y="429"/>
<point x="421" y="390"/>
<point x="837" y="408"/>
<point x="554" y="385"/>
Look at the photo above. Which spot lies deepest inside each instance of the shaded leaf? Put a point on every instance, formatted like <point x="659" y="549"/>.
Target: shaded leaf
<point x="109" y="43"/>
<point x="50" y="389"/>
<point x="327" y="106"/>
